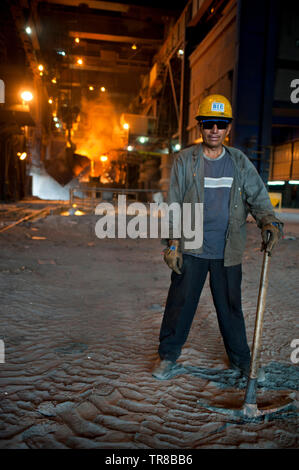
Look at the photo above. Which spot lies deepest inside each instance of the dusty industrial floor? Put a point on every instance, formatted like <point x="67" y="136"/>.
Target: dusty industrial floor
<point x="80" y="321"/>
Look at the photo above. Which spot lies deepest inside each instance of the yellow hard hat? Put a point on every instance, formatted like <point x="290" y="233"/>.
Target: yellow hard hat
<point x="215" y="106"/>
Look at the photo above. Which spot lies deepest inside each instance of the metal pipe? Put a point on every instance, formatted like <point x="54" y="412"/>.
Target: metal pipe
<point x="71" y="197"/>
<point x="174" y="93"/>
<point x="250" y="409"/>
<point x="250" y="396"/>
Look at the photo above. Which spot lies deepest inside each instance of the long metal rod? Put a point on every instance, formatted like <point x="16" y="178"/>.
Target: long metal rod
<point x="250" y="409"/>
<point x="250" y="395"/>
<point x="23" y="219"/>
<point x="261" y="304"/>
<point x="174" y="93"/>
<point x="34" y="215"/>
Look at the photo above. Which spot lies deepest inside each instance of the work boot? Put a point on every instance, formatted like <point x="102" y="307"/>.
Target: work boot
<point x="245" y="371"/>
<point x="163" y="369"/>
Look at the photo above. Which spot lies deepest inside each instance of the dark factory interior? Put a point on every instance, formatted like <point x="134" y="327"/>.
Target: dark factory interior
<point x="149" y="229"/>
<point x="111" y="90"/>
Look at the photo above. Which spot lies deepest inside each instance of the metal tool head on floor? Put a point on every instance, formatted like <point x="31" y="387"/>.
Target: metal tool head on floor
<point x="250" y="410"/>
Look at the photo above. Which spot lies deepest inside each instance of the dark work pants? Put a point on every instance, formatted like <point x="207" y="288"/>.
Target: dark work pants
<point x="182" y="301"/>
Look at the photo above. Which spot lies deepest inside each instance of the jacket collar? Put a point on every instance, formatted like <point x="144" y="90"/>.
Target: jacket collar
<point x="198" y="150"/>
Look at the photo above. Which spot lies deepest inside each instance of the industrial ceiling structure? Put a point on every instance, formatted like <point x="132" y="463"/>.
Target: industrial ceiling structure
<point x="95" y="44"/>
<point x="72" y="57"/>
<point x="123" y="80"/>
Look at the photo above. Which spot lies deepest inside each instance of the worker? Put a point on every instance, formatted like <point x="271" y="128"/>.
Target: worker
<point x="229" y="186"/>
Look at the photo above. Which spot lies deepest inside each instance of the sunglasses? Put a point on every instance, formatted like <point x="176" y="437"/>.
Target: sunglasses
<point x="210" y="123"/>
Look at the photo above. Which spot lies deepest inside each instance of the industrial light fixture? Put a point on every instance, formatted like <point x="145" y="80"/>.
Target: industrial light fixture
<point x="77" y="40"/>
<point x="28" y="30"/>
<point x="275" y="183"/>
<point x="103" y="158"/>
<point x="26" y="96"/>
<point x="91" y="88"/>
<point x="50" y="101"/>
<point x="103" y="89"/>
<point x="55" y="118"/>
<point x="61" y="53"/>
<point x="54" y="80"/>
<point x="126" y="126"/>
<point x="23" y="156"/>
<point x="57" y="124"/>
<point x="41" y="70"/>
<point x="130" y="148"/>
<point x="134" y="47"/>
<point x="143" y="139"/>
<point x="177" y="147"/>
<point x="294" y="182"/>
<point x="181" y="52"/>
<point x="80" y="61"/>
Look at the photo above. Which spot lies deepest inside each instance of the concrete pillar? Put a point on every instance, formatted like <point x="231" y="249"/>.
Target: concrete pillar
<point x="254" y="76"/>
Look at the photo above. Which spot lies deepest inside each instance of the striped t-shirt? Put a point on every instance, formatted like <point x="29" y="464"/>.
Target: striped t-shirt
<point x="218" y="178"/>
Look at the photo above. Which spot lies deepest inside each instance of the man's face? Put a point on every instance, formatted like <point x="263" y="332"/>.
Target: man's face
<point x="213" y="137"/>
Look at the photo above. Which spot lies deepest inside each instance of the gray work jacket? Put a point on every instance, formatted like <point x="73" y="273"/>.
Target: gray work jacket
<point x="248" y="195"/>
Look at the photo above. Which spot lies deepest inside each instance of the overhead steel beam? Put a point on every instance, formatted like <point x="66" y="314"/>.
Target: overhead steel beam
<point x="59" y="19"/>
<point x="98" y="61"/>
<point x="94" y="4"/>
<point x="18" y="17"/>
<point x="139" y="11"/>
<point x="111" y="69"/>
<point x="114" y="38"/>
